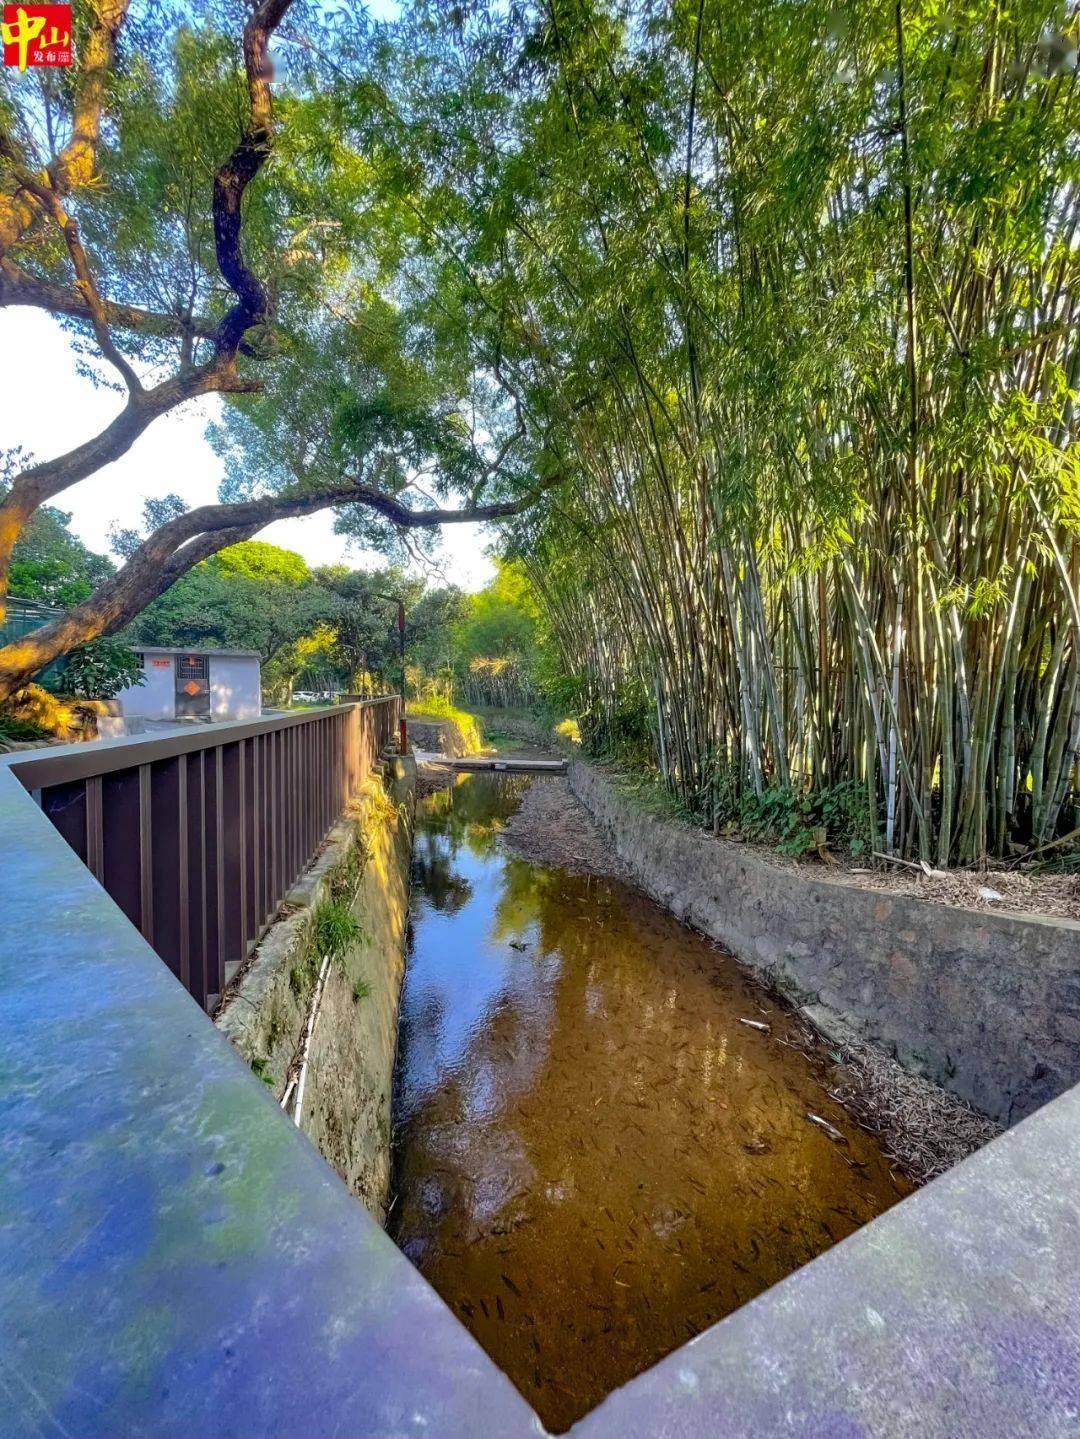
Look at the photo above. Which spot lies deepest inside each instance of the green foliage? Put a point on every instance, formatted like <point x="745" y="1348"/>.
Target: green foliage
<point x="303" y="974"/>
<point x="794" y="321"/>
<point x="439" y="708"/>
<point x="361" y="989"/>
<point x="432" y="639"/>
<point x="346" y="876"/>
<point x="795" y="820"/>
<point x="620" y="730"/>
<point x="259" y="561"/>
<point x="648" y="790"/>
<point x="250" y="596"/>
<point x="495" y="642"/>
<point x="157" y="510"/>
<point x="335" y="929"/>
<point x="568" y="732"/>
<point x="21" y="730"/>
<point x="362" y="612"/>
<point x="52" y="565"/>
<point x="101" y="669"/>
<point x="500" y="620"/>
<point x="791" y="820"/>
<point x="335" y="629"/>
<point x="783" y="295"/>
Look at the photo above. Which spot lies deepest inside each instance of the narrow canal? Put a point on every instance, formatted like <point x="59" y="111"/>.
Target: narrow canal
<point x="595" y="1157"/>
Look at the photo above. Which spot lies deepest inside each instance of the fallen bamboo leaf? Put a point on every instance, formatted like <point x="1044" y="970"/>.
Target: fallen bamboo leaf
<point x="756" y="1024"/>
<point x="830" y="1129"/>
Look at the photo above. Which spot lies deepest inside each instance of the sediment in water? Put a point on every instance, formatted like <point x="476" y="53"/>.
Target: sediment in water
<point x="607" y="1134"/>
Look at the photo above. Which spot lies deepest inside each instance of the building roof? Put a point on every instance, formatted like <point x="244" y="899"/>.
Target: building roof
<point x="195" y="650"/>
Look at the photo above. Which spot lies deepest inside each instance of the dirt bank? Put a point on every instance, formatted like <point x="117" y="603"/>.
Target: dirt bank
<point x="1005" y="891"/>
<point x="554" y="827"/>
<point x="924" y="1129"/>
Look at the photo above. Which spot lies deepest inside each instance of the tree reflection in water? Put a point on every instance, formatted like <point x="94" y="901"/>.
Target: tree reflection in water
<point x="594" y="1157"/>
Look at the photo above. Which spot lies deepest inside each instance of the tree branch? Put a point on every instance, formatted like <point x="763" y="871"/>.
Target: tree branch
<point x="233" y="177"/>
<point x="42" y="482"/>
<point x="181" y="543"/>
<point x="74" y="165"/>
<point x="18" y="287"/>
<point x="87" y="287"/>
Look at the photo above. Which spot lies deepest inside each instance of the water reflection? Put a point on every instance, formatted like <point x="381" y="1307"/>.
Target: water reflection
<point x="595" y="1157"/>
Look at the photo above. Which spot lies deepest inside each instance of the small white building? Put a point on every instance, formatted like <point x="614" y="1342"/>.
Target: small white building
<point x="196" y="685"/>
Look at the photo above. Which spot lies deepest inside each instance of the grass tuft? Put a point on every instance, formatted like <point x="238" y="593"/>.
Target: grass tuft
<point x="336" y="928"/>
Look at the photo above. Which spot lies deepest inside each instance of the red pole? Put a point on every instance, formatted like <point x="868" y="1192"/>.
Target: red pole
<point x="403" y="739"/>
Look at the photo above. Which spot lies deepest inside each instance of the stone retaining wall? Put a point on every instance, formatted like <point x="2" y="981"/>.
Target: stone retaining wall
<point x="987" y="1005"/>
<point x="439" y="735"/>
<point x="347" y="1098"/>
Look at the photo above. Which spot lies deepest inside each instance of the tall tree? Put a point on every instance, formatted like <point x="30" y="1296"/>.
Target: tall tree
<point x="795" y="292"/>
<point x="107" y="218"/>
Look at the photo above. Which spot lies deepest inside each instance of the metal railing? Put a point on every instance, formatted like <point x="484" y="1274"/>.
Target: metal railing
<point x="22" y="617"/>
<point x="199" y="835"/>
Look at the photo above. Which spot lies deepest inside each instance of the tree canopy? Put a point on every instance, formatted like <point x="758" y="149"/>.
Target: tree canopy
<point x="756" y="326"/>
<point x="327" y="629"/>
<point x="195" y="246"/>
<point x="792" y="296"/>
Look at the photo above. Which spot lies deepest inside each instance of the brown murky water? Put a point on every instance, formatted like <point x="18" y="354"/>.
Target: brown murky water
<point x="595" y="1158"/>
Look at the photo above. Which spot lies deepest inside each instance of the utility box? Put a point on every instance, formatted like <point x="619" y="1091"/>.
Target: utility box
<point x="196" y="685"/>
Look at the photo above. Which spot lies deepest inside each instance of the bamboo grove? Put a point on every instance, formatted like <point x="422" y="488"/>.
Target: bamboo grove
<point x="789" y="295"/>
<point x="756" y="325"/>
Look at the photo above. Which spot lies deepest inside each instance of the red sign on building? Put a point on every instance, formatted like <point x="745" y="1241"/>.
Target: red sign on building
<point x="37" y="35"/>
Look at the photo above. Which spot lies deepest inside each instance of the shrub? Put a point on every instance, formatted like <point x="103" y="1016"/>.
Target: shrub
<point x="569" y="731"/>
<point x="34" y="713"/>
<point x="21" y="730"/>
<point x="794" y="820"/>
<point x="102" y="669"/>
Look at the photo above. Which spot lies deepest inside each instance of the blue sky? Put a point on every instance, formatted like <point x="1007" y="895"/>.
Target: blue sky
<point x="48" y="408"/>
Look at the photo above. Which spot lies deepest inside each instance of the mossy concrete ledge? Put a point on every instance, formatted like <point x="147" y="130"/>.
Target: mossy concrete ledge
<point x="276" y="1013"/>
<point x="986" y="1005"/>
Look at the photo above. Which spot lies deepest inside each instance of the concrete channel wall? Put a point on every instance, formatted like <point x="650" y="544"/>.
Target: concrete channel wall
<point x="176" y="1259"/>
<point x="346" y="1109"/>
<point x="437" y="735"/>
<point x="987" y="1005"/>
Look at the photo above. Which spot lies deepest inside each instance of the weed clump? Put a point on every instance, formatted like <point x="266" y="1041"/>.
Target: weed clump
<point x="336" y="928"/>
